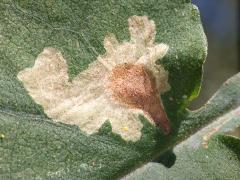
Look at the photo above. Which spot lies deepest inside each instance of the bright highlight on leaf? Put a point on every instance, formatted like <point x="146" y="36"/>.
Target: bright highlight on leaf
<point x="118" y="86"/>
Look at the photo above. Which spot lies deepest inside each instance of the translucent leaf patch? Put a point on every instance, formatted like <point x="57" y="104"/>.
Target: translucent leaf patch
<point x="117" y="87"/>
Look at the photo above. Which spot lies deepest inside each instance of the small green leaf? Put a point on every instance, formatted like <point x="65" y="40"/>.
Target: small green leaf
<point x="221" y="160"/>
<point x="208" y="154"/>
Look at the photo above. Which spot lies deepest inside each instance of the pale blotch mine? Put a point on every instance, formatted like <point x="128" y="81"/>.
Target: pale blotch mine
<point x="85" y="101"/>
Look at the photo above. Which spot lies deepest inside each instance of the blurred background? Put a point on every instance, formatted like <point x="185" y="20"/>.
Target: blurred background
<point x="220" y="20"/>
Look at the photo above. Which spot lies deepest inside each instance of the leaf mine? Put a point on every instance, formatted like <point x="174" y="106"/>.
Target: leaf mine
<point x="118" y="86"/>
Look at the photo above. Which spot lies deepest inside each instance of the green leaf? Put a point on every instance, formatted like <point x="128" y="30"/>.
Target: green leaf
<point x="33" y="146"/>
<point x="201" y="156"/>
<point x="221" y="160"/>
<point x="77" y="29"/>
<point x="36" y="147"/>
